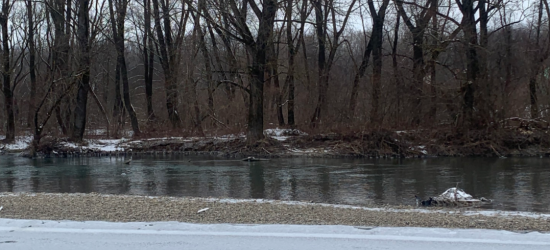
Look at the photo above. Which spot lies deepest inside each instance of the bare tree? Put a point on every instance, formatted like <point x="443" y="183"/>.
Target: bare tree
<point x="117" y="23"/>
<point x="539" y="56"/>
<point x="83" y="36"/>
<point x="61" y="14"/>
<point x="168" y="45"/>
<point x="32" y="59"/>
<point x="148" y="59"/>
<point x="322" y="11"/>
<point x="257" y="47"/>
<point x="377" y="40"/>
<point x="475" y="56"/>
<point x="418" y="30"/>
<point x="7" y="89"/>
<point x="376" y="37"/>
<point x="293" y="43"/>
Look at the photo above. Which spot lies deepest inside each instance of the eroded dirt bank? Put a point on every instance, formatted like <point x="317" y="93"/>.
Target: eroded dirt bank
<point x="288" y="143"/>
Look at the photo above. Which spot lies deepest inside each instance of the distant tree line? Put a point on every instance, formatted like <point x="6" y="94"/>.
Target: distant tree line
<point x="205" y="66"/>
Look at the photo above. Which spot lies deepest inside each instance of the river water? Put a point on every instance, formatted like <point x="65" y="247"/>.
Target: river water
<point x="521" y="184"/>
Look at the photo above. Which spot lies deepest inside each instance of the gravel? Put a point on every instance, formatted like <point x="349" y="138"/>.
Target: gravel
<point x="126" y="208"/>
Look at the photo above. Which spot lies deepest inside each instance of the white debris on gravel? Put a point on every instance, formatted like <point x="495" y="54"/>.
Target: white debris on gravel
<point x="456" y="194"/>
<point x="203" y="210"/>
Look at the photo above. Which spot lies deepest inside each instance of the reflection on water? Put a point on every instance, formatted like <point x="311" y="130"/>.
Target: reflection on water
<point x="513" y="184"/>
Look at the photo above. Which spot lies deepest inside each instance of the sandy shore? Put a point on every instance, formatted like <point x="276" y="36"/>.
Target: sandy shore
<point x="122" y="208"/>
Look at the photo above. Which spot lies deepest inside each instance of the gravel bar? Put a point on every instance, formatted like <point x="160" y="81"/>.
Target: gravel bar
<point x="127" y="208"/>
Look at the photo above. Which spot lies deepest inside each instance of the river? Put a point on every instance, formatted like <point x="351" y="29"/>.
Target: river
<point x="521" y="184"/>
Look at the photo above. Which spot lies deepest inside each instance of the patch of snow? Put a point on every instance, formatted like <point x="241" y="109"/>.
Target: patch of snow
<point x="174" y="235"/>
<point x="274" y="132"/>
<point x="103" y="145"/>
<point x="229" y="137"/>
<point x="283" y="134"/>
<point x="421" y="149"/>
<point x="280" y="138"/>
<point x="21" y="142"/>
<point x="96" y="131"/>
<point x="306" y="151"/>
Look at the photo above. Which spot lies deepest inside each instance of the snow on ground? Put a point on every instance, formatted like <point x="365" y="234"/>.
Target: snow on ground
<point x="421" y="149"/>
<point x="229" y="137"/>
<point x="282" y="134"/>
<point x="21" y="142"/>
<point x="111" y="145"/>
<point x="61" y="235"/>
<point x="101" y="145"/>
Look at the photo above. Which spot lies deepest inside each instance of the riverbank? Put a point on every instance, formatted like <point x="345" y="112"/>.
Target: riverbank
<point x="505" y="142"/>
<point x="125" y="208"/>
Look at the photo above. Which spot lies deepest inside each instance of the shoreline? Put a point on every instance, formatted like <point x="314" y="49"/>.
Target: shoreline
<point x="129" y="208"/>
<point x="289" y="143"/>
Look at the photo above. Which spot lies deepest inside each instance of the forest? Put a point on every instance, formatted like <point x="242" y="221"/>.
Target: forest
<point x="147" y="68"/>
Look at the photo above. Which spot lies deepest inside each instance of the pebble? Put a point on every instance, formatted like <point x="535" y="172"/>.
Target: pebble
<point x="128" y="208"/>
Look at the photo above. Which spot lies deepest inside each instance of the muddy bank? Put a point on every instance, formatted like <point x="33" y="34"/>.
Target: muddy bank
<point x="86" y="207"/>
<point x="504" y="142"/>
<point x="289" y="143"/>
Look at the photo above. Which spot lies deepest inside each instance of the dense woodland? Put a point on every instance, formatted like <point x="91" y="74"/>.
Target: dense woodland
<point x="203" y="67"/>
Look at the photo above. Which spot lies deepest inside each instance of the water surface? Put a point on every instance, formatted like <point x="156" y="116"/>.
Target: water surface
<point x="514" y="184"/>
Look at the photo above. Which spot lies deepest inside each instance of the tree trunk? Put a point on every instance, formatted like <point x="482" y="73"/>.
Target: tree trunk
<point x="419" y="73"/>
<point x="256" y="103"/>
<point x="117" y="105"/>
<point x="433" y="73"/>
<point x="207" y="62"/>
<point x="83" y="34"/>
<point x="60" y="12"/>
<point x="118" y="35"/>
<point x="6" y="73"/>
<point x="168" y="62"/>
<point x="418" y="76"/>
<point x="32" y="61"/>
<point x="472" y="61"/>
<point x="538" y="58"/>
<point x="272" y="70"/>
<point x="358" y="75"/>
<point x="320" y="29"/>
<point x="292" y="51"/>
<point x="60" y="15"/>
<point x="508" y="69"/>
<point x="397" y="82"/>
<point x="377" y="40"/>
<point x="148" y="60"/>
<point x="533" y="96"/>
